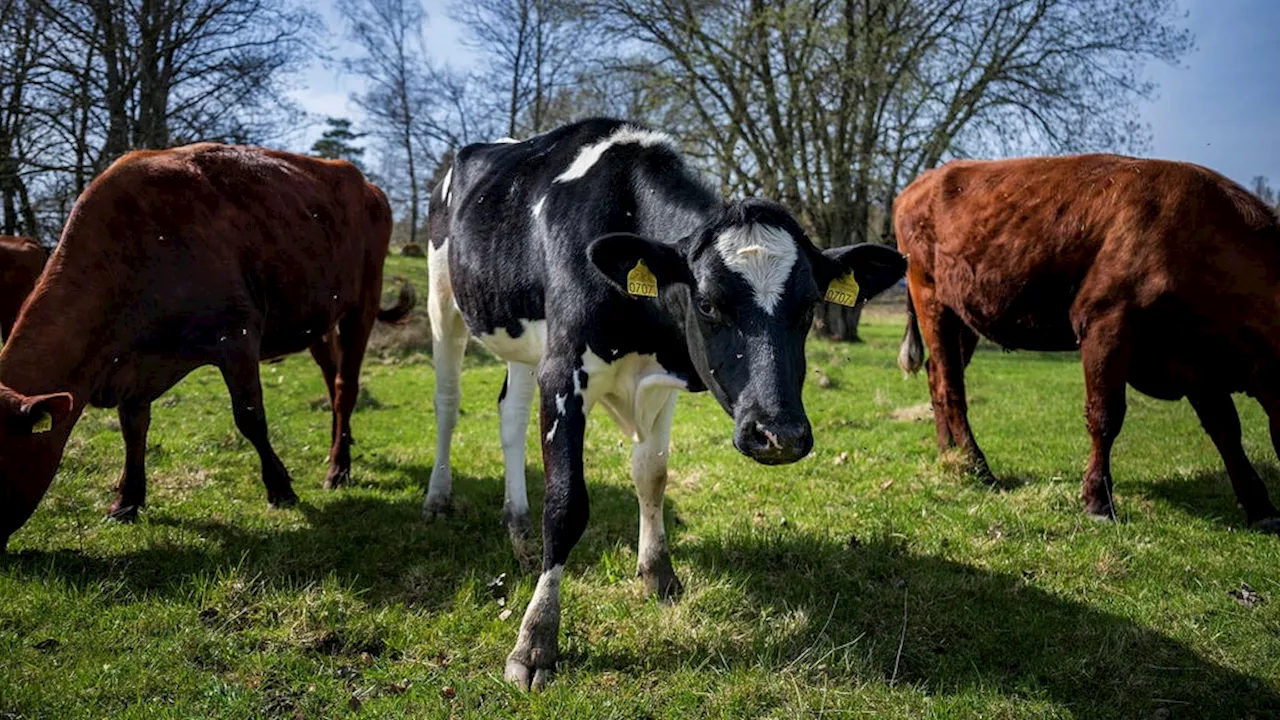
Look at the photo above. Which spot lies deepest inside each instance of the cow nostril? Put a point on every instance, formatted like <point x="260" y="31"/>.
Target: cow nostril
<point x="770" y="437"/>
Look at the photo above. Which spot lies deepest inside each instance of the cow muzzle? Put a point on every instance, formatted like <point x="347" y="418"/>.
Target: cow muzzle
<point x="773" y="441"/>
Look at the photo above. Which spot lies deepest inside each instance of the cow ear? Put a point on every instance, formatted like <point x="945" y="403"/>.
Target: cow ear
<point x="874" y="269"/>
<point x="45" y="412"/>
<point x="637" y="266"/>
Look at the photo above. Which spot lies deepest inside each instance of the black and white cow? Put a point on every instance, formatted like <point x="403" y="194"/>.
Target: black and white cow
<point x="537" y="249"/>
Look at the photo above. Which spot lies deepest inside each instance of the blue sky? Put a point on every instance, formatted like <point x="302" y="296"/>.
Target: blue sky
<point x="1219" y="108"/>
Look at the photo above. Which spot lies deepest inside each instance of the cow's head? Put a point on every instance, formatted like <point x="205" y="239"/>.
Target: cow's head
<point x="744" y="287"/>
<point x="33" y="432"/>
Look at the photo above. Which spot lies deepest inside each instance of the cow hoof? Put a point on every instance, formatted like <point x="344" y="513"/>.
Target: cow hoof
<point x="433" y="510"/>
<point x="123" y="513"/>
<point x="1101" y="512"/>
<point x="527" y="677"/>
<point x="1270" y="525"/>
<point x="979" y="470"/>
<point x="522" y="544"/>
<point x="660" y="580"/>
<point x="337" y="478"/>
<point x="281" y="500"/>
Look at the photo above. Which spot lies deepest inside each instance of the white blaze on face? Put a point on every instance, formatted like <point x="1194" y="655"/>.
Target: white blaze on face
<point x="763" y="255"/>
<point x="591" y="154"/>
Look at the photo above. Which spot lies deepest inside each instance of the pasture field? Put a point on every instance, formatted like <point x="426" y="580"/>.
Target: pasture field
<point x="869" y="580"/>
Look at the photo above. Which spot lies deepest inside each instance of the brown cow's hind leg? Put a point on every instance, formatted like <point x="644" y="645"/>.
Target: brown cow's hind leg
<point x="354" y="337"/>
<point x="1104" y="354"/>
<point x="240" y="372"/>
<point x="951" y="345"/>
<point x="131" y="493"/>
<point x="326" y="354"/>
<point x="1222" y="423"/>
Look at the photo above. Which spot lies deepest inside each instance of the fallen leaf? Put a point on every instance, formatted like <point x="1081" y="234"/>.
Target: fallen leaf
<point x="448" y="693"/>
<point x="840" y="459"/>
<point x="1247" y="596"/>
<point x="886" y="484"/>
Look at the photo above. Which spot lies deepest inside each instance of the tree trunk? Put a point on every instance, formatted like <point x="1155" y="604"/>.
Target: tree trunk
<point x="837" y="322"/>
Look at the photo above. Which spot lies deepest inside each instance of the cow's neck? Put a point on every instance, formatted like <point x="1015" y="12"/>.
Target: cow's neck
<point x="59" y="343"/>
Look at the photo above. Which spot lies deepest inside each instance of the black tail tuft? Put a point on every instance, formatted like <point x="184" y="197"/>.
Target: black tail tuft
<point x="911" y="356"/>
<point x="399" y="313"/>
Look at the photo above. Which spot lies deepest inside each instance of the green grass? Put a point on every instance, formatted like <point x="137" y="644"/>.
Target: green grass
<point x="800" y="579"/>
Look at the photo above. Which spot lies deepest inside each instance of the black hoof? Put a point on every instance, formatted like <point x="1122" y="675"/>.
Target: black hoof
<point x="337" y="478"/>
<point x="123" y="513"/>
<point x="1269" y="525"/>
<point x="1101" y="512"/>
<point x="281" y="500"/>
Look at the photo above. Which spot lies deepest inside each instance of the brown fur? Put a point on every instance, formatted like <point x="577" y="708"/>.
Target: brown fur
<point x="21" y="262"/>
<point x="1165" y="275"/>
<point x="173" y="259"/>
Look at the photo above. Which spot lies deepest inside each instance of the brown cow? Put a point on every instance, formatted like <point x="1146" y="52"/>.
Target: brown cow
<point x="21" y="262"/>
<point x="1165" y="275"/>
<point x="201" y="255"/>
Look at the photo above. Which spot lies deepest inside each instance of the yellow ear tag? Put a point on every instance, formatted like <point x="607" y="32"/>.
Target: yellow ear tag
<point x="843" y="291"/>
<point x="44" y="423"/>
<point x="641" y="282"/>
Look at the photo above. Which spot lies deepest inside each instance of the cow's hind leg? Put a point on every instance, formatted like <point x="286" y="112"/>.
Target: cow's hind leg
<point x="649" y="473"/>
<point x="131" y="493"/>
<point x="951" y="345"/>
<point x="1221" y="421"/>
<point x="514" y="406"/>
<point x="326" y="354"/>
<point x="353" y="338"/>
<point x="1105" y="356"/>
<point x="448" y="344"/>
<point x="240" y="372"/>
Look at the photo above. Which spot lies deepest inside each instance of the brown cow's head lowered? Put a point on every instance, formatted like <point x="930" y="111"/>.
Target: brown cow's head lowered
<point x="33" y="431"/>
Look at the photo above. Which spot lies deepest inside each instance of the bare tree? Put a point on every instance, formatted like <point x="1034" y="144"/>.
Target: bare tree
<point x="831" y="106"/>
<point x="393" y="63"/>
<point x="533" y="51"/>
<point x="1262" y="188"/>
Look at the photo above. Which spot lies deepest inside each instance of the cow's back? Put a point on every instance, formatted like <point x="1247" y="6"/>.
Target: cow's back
<point x="216" y="234"/>
<point x="1025" y="250"/>
<point x="21" y="262"/>
<point x="521" y="216"/>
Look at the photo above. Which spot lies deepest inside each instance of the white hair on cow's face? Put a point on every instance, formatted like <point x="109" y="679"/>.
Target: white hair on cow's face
<point x="763" y="255"/>
<point x="589" y="155"/>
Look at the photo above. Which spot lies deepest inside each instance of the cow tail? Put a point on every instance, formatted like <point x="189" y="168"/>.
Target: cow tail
<point x="399" y="312"/>
<point x="911" y="355"/>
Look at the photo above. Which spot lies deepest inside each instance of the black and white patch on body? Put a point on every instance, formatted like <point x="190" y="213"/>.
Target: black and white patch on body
<point x="532" y="246"/>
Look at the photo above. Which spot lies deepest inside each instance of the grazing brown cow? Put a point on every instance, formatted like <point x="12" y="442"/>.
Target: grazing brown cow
<point x="200" y="255"/>
<point x="21" y="262"/>
<point x="1165" y="276"/>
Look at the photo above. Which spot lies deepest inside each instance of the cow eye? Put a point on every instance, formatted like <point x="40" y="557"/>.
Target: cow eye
<point x="708" y="310"/>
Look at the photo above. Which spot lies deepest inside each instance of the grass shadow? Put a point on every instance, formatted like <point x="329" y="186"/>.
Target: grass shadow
<point x="966" y="629"/>
<point x="380" y="548"/>
<point x="1207" y="494"/>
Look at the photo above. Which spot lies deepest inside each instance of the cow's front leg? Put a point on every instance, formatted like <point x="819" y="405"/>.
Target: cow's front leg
<point x="564" y="517"/>
<point x="649" y="473"/>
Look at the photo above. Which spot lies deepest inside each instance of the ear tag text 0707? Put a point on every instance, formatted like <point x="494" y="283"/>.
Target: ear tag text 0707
<point x="843" y="291"/>
<point x="44" y="423"/>
<point x="641" y="281"/>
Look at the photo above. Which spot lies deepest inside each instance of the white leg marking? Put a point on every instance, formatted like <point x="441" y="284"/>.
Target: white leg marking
<point x="514" y="410"/>
<point x="649" y="473"/>
<point x="448" y="343"/>
<point x="537" y="645"/>
<point x="763" y="255"/>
